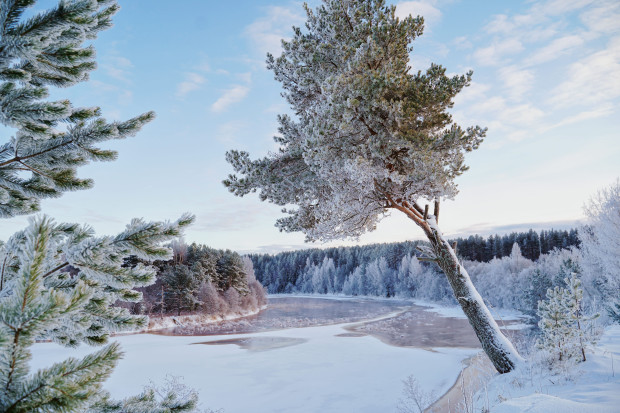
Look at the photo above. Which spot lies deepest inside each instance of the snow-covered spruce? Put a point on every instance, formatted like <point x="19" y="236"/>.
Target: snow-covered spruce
<point x="368" y="137"/>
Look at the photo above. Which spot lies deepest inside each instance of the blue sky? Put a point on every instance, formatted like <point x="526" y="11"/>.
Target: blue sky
<point x="546" y="84"/>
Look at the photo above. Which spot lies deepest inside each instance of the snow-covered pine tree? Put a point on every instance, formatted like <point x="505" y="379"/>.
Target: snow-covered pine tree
<point x="60" y="281"/>
<point x="181" y="288"/>
<point x="172" y="396"/>
<point x="555" y="322"/>
<point x="565" y="331"/>
<point x="52" y="138"/>
<point x="368" y="137"/>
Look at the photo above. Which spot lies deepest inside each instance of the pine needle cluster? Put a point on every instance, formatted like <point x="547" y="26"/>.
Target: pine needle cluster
<point x="63" y="283"/>
<point x="51" y="138"/>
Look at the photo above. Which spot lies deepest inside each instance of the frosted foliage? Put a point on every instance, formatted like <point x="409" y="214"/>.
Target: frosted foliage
<point x="500" y="279"/>
<point x="75" y="259"/>
<point x="600" y="242"/>
<point x="379" y="277"/>
<point x="319" y="278"/>
<point x="366" y="129"/>
<point x="172" y="396"/>
<point x="50" y="139"/>
<point x="61" y="282"/>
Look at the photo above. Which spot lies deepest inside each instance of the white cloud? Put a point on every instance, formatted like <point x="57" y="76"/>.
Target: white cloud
<point x="426" y="9"/>
<point x="525" y="114"/>
<point x="519" y="25"/>
<point x="193" y="81"/>
<point x="501" y="24"/>
<point x="233" y="95"/>
<point x="593" y="80"/>
<point x="555" y="49"/>
<point x="245" y="77"/>
<point x="231" y="216"/>
<point x="267" y="32"/>
<point x="555" y="7"/>
<point x="123" y="95"/>
<point x="539" y="23"/>
<point x="491" y="55"/>
<point x="204" y="67"/>
<point x="112" y="114"/>
<point x="488" y="104"/>
<point x="517" y="82"/>
<point x="507" y="115"/>
<point x="603" y="18"/>
<point x="598" y="112"/>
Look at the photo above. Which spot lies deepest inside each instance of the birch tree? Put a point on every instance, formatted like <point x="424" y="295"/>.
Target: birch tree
<point x="367" y="136"/>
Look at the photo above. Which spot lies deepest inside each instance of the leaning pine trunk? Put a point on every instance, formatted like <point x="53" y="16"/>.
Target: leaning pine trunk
<point x="500" y="350"/>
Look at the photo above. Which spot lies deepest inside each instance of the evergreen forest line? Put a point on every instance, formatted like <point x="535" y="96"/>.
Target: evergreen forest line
<point x="280" y="273"/>
<point x="510" y="281"/>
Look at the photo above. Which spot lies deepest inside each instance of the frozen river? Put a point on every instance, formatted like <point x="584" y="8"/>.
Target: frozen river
<point x="302" y="354"/>
<point x="396" y="322"/>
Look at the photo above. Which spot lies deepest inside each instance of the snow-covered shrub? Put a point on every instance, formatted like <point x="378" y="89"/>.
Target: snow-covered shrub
<point x="210" y="300"/>
<point x="171" y="396"/>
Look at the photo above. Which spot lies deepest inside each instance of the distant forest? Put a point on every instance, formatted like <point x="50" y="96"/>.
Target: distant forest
<point x="280" y="273"/>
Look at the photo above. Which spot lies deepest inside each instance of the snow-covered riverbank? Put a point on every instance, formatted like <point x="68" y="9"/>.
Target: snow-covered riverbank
<point x="191" y="320"/>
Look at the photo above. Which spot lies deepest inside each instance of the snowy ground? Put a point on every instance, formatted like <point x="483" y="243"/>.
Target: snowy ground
<point x="592" y="386"/>
<point x="313" y="369"/>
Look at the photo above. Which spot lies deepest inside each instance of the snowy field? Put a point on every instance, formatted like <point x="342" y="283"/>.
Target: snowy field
<point x="310" y="369"/>
<point x="592" y="386"/>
